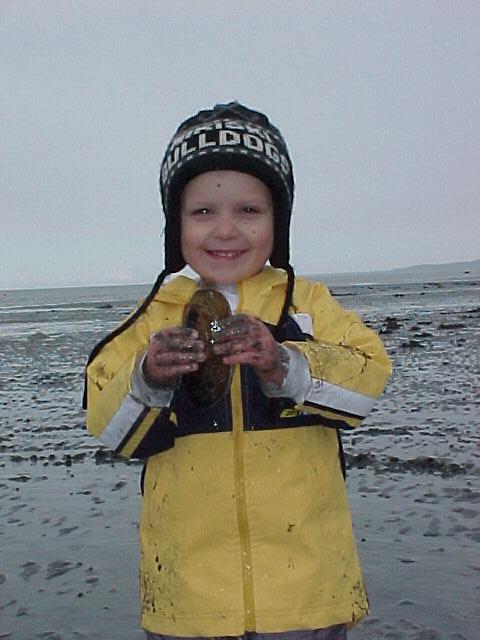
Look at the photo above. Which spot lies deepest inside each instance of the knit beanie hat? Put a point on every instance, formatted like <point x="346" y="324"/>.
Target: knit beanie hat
<point x="232" y="137"/>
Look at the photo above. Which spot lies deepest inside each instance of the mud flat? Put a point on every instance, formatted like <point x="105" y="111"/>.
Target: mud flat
<point x="69" y="511"/>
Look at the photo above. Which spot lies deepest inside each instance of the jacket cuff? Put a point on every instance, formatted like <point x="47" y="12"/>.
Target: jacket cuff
<point x="298" y="381"/>
<point x="148" y="394"/>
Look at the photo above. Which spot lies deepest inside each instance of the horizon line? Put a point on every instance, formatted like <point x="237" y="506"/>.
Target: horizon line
<point x="303" y="275"/>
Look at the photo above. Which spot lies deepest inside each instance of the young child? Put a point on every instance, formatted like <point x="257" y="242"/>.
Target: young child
<point x="245" y="525"/>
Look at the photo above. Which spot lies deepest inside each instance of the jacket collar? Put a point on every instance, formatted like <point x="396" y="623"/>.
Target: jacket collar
<point x="262" y="295"/>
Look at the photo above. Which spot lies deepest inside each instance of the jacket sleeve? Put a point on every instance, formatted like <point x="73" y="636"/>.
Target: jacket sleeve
<point x="124" y="415"/>
<point x="348" y="364"/>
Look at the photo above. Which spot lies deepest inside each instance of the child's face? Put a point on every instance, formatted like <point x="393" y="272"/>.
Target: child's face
<point x="227" y="225"/>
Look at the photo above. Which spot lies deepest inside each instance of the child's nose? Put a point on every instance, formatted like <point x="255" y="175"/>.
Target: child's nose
<point x="225" y="226"/>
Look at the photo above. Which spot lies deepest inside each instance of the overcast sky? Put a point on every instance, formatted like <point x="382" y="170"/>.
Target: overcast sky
<point x="378" y="101"/>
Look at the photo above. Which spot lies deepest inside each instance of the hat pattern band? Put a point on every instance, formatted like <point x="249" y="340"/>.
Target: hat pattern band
<point x="226" y="136"/>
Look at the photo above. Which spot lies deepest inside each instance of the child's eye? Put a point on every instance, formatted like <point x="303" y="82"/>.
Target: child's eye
<point x="249" y="209"/>
<point x="201" y="211"/>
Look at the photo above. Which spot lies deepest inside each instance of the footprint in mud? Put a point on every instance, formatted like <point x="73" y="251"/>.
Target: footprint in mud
<point x="9" y="603"/>
<point x="433" y="529"/>
<point x="466" y="513"/>
<point x="67" y="530"/>
<point x="59" y="567"/>
<point x="474" y="535"/>
<point x="29" y="569"/>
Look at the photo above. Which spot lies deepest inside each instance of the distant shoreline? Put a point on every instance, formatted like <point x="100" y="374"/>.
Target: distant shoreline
<point x="468" y="269"/>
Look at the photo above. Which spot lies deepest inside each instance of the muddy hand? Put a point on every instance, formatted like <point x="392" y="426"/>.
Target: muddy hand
<point x="245" y="340"/>
<point x="171" y="353"/>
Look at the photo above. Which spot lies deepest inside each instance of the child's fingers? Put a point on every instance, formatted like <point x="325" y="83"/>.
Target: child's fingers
<point x="247" y="336"/>
<point x="175" y="358"/>
<point x="257" y="348"/>
<point x="246" y="357"/>
<point x="175" y="335"/>
<point x="166" y="368"/>
<point x="254" y="351"/>
<point x="234" y="327"/>
<point x="173" y="352"/>
<point x="176" y="339"/>
<point x="232" y="346"/>
<point x="163" y="363"/>
<point x="166" y="372"/>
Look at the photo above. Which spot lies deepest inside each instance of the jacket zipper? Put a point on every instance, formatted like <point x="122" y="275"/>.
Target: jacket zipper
<point x="239" y="471"/>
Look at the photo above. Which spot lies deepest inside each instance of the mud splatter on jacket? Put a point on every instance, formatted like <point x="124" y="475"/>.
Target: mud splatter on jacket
<point x="245" y="519"/>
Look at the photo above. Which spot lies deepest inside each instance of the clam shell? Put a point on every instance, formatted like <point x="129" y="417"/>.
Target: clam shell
<point x="206" y="308"/>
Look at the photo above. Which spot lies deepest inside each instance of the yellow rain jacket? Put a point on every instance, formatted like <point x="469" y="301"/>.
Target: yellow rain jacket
<point x="245" y="520"/>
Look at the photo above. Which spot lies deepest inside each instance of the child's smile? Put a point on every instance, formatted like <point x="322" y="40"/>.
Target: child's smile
<point x="227" y="225"/>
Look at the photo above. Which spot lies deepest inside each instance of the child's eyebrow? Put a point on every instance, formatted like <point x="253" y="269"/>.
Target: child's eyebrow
<point x="242" y="199"/>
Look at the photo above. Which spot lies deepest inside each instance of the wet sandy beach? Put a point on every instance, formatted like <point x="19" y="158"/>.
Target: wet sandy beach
<point x="69" y="510"/>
